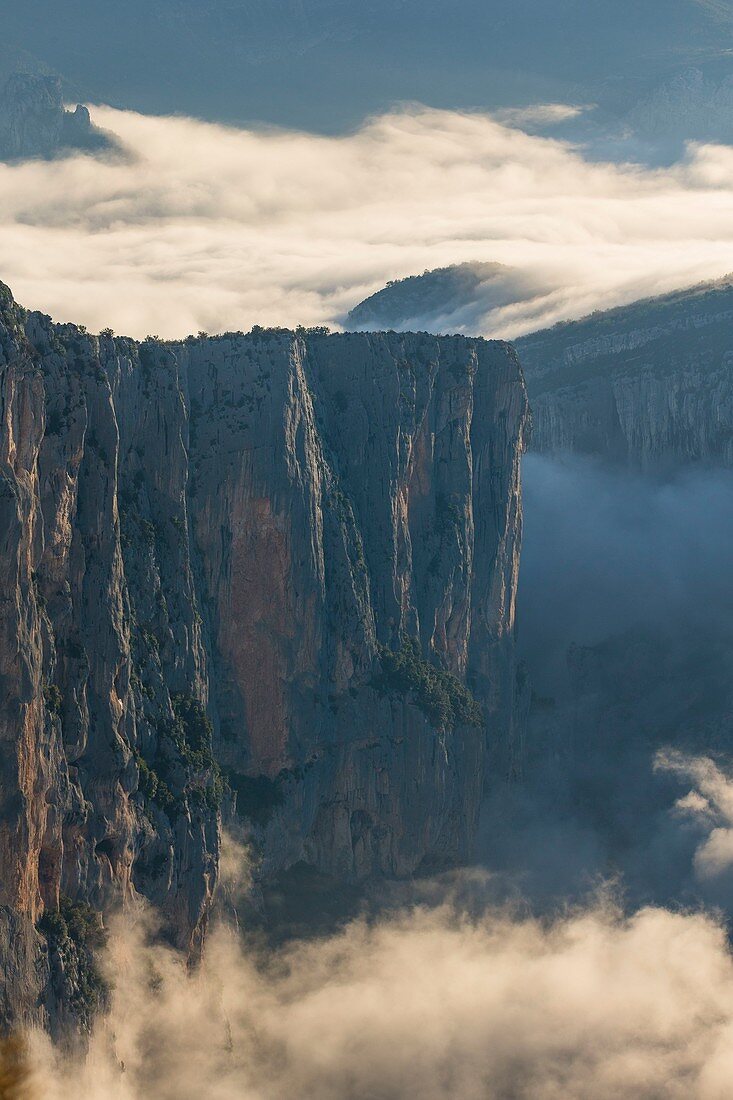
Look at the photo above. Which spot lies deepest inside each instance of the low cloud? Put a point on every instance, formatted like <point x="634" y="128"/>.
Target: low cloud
<point x="710" y="804"/>
<point x="607" y="550"/>
<point x="432" y="1003"/>
<point x="196" y="226"/>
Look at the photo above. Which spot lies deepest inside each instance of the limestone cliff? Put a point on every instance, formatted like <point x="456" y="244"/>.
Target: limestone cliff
<point x="649" y="385"/>
<point x="34" y="122"/>
<point x="274" y="573"/>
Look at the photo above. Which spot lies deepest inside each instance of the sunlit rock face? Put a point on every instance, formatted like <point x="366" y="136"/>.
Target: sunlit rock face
<point x="208" y="551"/>
<point x="648" y="385"/>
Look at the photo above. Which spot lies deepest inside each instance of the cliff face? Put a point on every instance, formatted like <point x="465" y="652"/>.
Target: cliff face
<point x="648" y="385"/>
<point x="252" y="570"/>
<point x="34" y="123"/>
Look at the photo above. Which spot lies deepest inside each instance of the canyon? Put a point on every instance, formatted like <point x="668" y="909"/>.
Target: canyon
<point x="268" y="581"/>
<point x="623" y="620"/>
<point x="268" y="578"/>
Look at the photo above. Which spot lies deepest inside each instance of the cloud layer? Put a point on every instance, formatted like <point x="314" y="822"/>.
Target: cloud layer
<point x="606" y="550"/>
<point x="198" y="226"/>
<point x="431" y="1003"/>
<point x="709" y="803"/>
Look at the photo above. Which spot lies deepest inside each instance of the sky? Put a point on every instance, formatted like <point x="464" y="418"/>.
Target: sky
<point x="193" y="226"/>
<point x="324" y="64"/>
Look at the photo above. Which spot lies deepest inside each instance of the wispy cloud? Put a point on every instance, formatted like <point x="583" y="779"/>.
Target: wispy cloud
<point x="540" y="114"/>
<point x="710" y="803"/>
<point x="199" y="226"/>
<point x="430" y="1003"/>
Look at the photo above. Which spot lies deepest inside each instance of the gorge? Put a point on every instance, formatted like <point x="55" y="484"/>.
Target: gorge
<point x="271" y="575"/>
<point x="270" y="579"/>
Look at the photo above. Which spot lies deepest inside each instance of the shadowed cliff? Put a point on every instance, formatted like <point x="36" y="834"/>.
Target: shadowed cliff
<point x="270" y="574"/>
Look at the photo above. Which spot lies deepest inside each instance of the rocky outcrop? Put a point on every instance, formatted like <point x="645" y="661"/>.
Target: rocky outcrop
<point x="274" y="573"/>
<point x="34" y="122"/>
<point x="647" y="385"/>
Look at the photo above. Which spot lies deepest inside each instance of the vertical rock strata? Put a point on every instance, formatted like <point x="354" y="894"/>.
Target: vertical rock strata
<point x="208" y="552"/>
<point x="647" y="386"/>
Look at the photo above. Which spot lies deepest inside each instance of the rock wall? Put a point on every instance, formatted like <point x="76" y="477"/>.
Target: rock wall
<point x="272" y="574"/>
<point x="647" y="385"/>
<point x="34" y="122"/>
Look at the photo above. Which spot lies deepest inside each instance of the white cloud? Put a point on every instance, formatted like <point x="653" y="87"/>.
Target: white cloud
<point x="710" y="803"/>
<point x="431" y="1003"/>
<point x="540" y="114"/>
<point x="199" y="226"/>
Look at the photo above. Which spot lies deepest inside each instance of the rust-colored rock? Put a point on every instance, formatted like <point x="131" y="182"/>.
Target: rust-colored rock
<point x="205" y="548"/>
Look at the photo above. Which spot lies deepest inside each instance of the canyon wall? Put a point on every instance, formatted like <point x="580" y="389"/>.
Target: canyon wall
<point x="646" y="385"/>
<point x="270" y="576"/>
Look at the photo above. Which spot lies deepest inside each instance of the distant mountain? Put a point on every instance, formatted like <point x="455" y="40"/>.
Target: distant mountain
<point x="35" y="123"/>
<point x="325" y="63"/>
<point x="464" y="298"/>
<point x="650" y="384"/>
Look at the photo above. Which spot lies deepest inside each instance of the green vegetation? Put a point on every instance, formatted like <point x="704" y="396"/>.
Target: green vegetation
<point x="40" y="598"/>
<point x="54" y="699"/>
<point x="147" y="528"/>
<point x="440" y="695"/>
<point x="186" y="740"/>
<point x="191" y="732"/>
<point x="448" y="514"/>
<point x="152" y="786"/>
<point x="74" y="934"/>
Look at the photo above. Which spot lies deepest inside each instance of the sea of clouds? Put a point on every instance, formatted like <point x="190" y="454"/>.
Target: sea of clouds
<point x="439" y="999"/>
<point x="195" y="226"/>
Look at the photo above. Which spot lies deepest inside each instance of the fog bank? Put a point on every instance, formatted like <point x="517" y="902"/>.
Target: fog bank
<point x="607" y="550"/>
<point x="198" y="226"/>
<point x="432" y="1003"/>
<point x="449" y="995"/>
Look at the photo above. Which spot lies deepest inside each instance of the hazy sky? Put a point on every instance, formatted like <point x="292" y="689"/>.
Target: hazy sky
<point x="194" y="226"/>
<point x="324" y="64"/>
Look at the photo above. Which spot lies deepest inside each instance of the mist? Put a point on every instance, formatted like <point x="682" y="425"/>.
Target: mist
<point x="624" y="626"/>
<point x="192" y="226"/>
<point x="607" y="550"/>
<point x="453" y="996"/>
